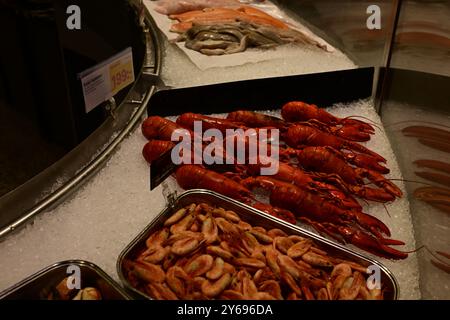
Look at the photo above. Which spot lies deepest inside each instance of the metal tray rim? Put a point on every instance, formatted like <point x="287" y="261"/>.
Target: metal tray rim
<point x="314" y="236"/>
<point x="56" y="265"/>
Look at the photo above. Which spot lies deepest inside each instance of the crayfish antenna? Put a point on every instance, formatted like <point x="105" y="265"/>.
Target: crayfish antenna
<point x="386" y="209"/>
<point x="365" y="118"/>
<point x="411" y="181"/>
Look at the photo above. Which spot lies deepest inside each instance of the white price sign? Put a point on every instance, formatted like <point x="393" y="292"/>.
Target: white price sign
<point x="103" y="81"/>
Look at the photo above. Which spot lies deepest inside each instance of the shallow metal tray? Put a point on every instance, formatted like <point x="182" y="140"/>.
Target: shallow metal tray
<point x="255" y="218"/>
<point x="37" y="286"/>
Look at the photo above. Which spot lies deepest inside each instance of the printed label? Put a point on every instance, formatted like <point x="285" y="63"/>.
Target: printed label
<point x="103" y="81"/>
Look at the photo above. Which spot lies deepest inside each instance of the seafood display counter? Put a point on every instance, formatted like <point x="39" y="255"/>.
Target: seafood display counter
<point x="105" y="202"/>
<point x="342" y="207"/>
<point x="303" y="198"/>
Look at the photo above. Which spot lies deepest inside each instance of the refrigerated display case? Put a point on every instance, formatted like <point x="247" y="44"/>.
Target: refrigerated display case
<point x="404" y="85"/>
<point x="417" y="98"/>
<point x="42" y="102"/>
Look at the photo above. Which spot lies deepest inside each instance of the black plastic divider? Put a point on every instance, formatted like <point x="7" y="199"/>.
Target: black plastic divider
<point x="322" y="89"/>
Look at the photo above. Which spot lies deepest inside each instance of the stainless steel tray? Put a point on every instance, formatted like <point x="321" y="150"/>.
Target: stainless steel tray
<point x="256" y="218"/>
<point x="37" y="286"/>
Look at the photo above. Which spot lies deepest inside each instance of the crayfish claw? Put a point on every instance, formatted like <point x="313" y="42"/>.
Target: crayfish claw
<point x="391" y="242"/>
<point x="353" y="133"/>
<point x="365" y="161"/>
<point x="382" y="182"/>
<point x="358" y="125"/>
<point x="369" y="243"/>
<point x="378" y="195"/>
<point x="371" y="223"/>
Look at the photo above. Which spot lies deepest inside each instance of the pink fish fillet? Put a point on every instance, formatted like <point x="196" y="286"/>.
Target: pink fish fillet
<point x="212" y="16"/>
<point x="169" y="7"/>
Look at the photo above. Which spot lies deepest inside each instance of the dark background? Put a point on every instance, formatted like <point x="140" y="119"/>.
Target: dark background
<point x="42" y="113"/>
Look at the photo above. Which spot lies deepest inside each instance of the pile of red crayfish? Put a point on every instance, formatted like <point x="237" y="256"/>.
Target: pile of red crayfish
<point x="323" y="169"/>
